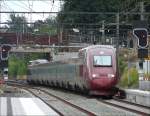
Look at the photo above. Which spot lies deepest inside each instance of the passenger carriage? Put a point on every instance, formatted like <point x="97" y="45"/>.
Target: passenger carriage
<point x="93" y="69"/>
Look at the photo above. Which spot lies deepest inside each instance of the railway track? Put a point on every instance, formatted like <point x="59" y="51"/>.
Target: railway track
<point x="51" y="99"/>
<point x="62" y="100"/>
<point x="128" y="106"/>
<point x="40" y="93"/>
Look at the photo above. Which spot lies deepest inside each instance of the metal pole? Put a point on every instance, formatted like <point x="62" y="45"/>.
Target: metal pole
<point x="91" y="36"/>
<point x="141" y="59"/>
<point x="103" y="32"/>
<point x="147" y="67"/>
<point x="0" y="12"/>
<point x="117" y="30"/>
<point x="80" y="37"/>
<point x="30" y="7"/>
<point x="128" y="69"/>
<point x="61" y="34"/>
<point x="49" y="38"/>
<point x="17" y="34"/>
<point x="142" y="11"/>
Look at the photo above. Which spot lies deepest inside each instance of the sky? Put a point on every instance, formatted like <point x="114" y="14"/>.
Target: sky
<point x="28" y="5"/>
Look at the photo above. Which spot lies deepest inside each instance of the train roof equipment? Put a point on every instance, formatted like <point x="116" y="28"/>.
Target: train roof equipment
<point x="98" y="46"/>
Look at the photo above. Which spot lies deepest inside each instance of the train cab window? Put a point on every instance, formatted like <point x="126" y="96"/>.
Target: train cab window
<point x="102" y="61"/>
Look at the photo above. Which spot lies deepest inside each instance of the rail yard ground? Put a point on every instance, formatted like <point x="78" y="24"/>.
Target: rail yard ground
<point x="66" y="102"/>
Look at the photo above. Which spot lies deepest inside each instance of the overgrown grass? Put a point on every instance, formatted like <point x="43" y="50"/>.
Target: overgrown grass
<point x="122" y="65"/>
<point x="17" y="66"/>
<point x="129" y="78"/>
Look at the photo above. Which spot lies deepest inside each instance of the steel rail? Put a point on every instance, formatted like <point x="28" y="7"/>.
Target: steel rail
<point x="124" y="108"/>
<point x="27" y="87"/>
<point x="69" y="103"/>
<point x="131" y="103"/>
<point x="45" y="102"/>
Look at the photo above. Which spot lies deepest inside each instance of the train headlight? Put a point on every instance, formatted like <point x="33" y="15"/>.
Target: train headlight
<point x="111" y="75"/>
<point x="94" y="75"/>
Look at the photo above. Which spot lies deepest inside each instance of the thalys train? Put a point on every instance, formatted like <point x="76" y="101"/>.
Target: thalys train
<point x="93" y="69"/>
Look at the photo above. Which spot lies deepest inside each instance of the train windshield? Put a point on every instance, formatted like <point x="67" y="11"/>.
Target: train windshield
<point x="102" y="61"/>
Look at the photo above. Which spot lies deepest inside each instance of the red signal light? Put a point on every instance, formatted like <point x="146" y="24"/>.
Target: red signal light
<point x="5" y="52"/>
<point x="142" y="35"/>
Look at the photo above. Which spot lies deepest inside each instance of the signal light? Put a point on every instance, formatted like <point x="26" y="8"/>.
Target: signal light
<point x="5" y="52"/>
<point x="142" y="35"/>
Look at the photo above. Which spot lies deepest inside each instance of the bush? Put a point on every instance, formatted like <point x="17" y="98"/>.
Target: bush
<point x="22" y="68"/>
<point x="122" y="65"/>
<point x="129" y="78"/>
<point x="17" y="67"/>
<point x="13" y="67"/>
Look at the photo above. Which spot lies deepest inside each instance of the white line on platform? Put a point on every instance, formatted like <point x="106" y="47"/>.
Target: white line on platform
<point x="30" y="107"/>
<point x="3" y="106"/>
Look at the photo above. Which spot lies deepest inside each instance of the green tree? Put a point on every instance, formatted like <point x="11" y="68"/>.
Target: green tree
<point x="88" y="6"/>
<point x="98" y="6"/>
<point x="47" y="26"/>
<point x="17" y="24"/>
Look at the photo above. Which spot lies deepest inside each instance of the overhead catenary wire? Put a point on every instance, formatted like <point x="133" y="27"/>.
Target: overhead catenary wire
<point x="52" y="6"/>
<point x="7" y="7"/>
<point x="33" y="0"/>
<point x="30" y="7"/>
<point x="64" y="23"/>
<point x="80" y="13"/>
<point x="27" y="6"/>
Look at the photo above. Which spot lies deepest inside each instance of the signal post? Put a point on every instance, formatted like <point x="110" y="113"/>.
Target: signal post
<point x="142" y="37"/>
<point x="4" y="55"/>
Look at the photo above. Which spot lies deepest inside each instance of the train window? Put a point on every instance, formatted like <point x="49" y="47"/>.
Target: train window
<point x="102" y="61"/>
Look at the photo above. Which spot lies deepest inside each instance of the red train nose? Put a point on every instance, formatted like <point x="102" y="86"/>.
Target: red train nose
<point x="103" y="83"/>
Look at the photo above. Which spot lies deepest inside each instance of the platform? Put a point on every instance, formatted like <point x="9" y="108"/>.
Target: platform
<point x="138" y="96"/>
<point x="14" y="106"/>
